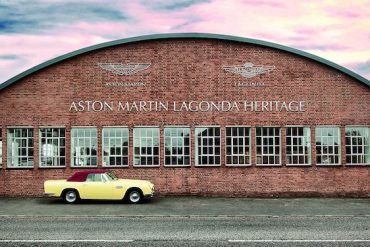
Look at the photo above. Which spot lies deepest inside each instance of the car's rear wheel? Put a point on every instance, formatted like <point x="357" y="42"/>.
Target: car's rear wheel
<point x="71" y="196"/>
<point x="135" y="196"/>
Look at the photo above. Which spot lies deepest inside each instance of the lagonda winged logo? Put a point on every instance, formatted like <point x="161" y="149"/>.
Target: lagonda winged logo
<point x="124" y="69"/>
<point x="249" y="70"/>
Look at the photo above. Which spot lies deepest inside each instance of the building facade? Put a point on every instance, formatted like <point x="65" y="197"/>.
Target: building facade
<point x="197" y="114"/>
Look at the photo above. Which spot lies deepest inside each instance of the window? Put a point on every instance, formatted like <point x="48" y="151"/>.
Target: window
<point x="115" y="146"/>
<point x="238" y="145"/>
<point x="1" y="148"/>
<point x="357" y="145"/>
<point x="298" y="146"/>
<point x="84" y="147"/>
<point x="20" y="147"/>
<point x="95" y="177"/>
<point x="268" y="145"/>
<point x="327" y="145"/>
<point x="177" y="146"/>
<point x="146" y="146"/>
<point x="52" y="147"/>
<point x="207" y="146"/>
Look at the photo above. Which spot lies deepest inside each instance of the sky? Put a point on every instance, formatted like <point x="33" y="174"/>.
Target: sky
<point x="34" y="31"/>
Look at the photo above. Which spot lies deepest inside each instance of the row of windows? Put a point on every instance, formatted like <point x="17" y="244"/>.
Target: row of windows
<point x="146" y="145"/>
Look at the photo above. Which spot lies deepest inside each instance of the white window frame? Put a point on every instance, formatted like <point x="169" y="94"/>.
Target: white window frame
<point x="183" y="155"/>
<point x="280" y="147"/>
<point x="363" y="145"/>
<point x="214" y="146"/>
<point x="244" y="145"/>
<point x="59" y="139"/>
<point x="339" y="145"/>
<point x="109" y="146"/>
<point x="309" y="146"/>
<point x="10" y="158"/>
<point x="136" y="128"/>
<point x="84" y="137"/>
<point x="1" y="147"/>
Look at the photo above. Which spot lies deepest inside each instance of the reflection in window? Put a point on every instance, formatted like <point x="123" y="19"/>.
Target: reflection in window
<point x="52" y="147"/>
<point x="357" y="145"/>
<point x="177" y="146"/>
<point x="327" y="145"/>
<point x="115" y="146"/>
<point x="268" y="145"/>
<point x="20" y="147"/>
<point x="84" y="147"/>
<point x="238" y="146"/>
<point x="298" y="146"/>
<point x="207" y="146"/>
<point x="146" y="146"/>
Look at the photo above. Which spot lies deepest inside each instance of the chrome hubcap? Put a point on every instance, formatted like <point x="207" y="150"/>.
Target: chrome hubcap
<point x="71" y="196"/>
<point x="134" y="196"/>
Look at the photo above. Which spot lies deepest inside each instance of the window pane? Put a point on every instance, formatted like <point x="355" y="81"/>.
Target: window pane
<point x="268" y="145"/>
<point x="20" y="147"/>
<point x="327" y="145"/>
<point x="115" y="146"/>
<point x="146" y="146"/>
<point x="207" y="148"/>
<point x="298" y="143"/>
<point x="357" y="145"/>
<point x="237" y="145"/>
<point x="52" y="147"/>
<point x="84" y="147"/>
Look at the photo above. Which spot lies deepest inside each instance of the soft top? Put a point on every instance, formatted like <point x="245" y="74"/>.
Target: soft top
<point x="81" y="175"/>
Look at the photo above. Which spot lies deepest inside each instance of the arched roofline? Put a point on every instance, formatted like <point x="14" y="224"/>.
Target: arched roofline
<point x="184" y="36"/>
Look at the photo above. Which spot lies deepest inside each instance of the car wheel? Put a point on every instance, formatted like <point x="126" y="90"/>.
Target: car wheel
<point x="71" y="196"/>
<point x="134" y="196"/>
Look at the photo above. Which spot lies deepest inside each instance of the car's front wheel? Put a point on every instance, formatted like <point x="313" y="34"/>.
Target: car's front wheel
<point x="71" y="196"/>
<point x="135" y="196"/>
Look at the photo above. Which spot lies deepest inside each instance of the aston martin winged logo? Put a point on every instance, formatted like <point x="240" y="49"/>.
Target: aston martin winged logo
<point x="249" y="70"/>
<point x="124" y="69"/>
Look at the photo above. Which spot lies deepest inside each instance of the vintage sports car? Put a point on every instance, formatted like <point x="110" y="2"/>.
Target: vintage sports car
<point x="99" y="185"/>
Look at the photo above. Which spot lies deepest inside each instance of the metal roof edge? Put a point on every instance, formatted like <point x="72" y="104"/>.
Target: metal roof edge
<point x="179" y="36"/>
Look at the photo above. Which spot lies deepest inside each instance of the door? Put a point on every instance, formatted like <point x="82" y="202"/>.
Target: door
<point x="96" y="187"/>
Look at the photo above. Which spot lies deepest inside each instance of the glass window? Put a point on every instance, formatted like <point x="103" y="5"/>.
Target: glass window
<point x="298" y="146"/>
<point x="357" y="145"/>
<point x="115" y="146"/>
<point x="84" y="147"/>
<point x="146" y="146"/>
<point x="327" y="145"/>
<point x="238" y="146"/>
<point x="1" y="148"/>
<point x="177" y="146"/>
<point x="207" y="146"/>
<point x="52" y="147"/>
<point x="20" y="147"/>
<point x="94" y="177"/>
<point x="268" y="145"/>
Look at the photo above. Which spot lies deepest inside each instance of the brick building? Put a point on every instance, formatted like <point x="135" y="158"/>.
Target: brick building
<point x="194" y="113"/>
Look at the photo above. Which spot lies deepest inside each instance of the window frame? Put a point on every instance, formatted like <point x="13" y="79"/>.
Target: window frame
<point x="72" y="146"/>
<point x="196" y="148"/>
<point x="65" y="145"/>
<point x="339" y="146"/>
<point x="1" y="147"/>
<point x="159" y="146"/>
<point x="250" y="145"/>
<point x="9" y="149"/>
<point x="280" y="146"/>
<point x="164" y="145"/>
<point x="128" y="146"/>
<point x="368" y="137"/>
<point x="310" y="145"/>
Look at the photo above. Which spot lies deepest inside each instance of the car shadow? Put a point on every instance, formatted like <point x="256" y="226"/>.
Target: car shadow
<point x="58" y="201"/>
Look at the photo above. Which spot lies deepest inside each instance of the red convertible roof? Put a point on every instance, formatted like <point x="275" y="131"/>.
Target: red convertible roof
<point x="81" y="175"/>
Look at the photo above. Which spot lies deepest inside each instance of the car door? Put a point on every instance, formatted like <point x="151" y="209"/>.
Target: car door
<point x="96" y="187"/>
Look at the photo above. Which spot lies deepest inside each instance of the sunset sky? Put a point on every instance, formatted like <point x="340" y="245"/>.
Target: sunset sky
<point x="34" y="31"/>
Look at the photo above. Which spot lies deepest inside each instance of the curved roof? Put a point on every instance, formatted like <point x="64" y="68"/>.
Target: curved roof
<point x="81" y="175"/>
<point x="184" y="36"/>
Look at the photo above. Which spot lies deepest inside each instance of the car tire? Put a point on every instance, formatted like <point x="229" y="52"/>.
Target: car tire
<point x="71" y="196"/>
<point x="134" y="196"/>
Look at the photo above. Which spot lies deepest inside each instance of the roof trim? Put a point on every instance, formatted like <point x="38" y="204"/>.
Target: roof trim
<point x="184" y="36"/>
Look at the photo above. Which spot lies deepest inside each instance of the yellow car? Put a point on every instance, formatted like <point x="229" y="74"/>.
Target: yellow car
<point x="98" y="185"/>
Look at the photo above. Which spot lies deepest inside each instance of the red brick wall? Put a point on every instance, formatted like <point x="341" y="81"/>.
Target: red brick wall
<point x="185" y="70"/>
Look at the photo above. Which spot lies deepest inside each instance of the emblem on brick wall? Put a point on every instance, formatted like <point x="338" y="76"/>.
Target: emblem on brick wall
<point x="124" y="69"/>
<point x="249" y="70"/>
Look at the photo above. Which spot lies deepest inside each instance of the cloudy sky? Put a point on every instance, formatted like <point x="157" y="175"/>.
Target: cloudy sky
<point x="34" y="31"/>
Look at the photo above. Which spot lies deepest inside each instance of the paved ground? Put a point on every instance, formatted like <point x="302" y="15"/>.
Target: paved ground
<point x="189" y="206"/>
<point x="186" y="221"/>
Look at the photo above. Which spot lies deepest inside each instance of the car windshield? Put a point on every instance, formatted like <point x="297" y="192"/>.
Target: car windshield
<point x="111" y="176"/>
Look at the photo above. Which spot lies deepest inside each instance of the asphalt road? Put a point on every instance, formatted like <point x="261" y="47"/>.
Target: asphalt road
<point x="185" y="231"/>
